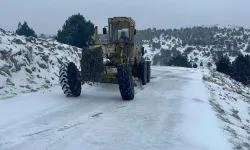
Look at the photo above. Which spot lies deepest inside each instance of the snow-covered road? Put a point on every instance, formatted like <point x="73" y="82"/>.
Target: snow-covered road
<point x="171" y="113"/>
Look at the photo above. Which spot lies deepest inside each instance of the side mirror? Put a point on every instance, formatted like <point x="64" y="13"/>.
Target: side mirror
<point x="135" y="32"/>
<point x="104" y="30"/>
<point x="142" y="51"/>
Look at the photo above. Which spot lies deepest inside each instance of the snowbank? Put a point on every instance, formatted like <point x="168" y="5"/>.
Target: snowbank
<point x="231" y="102"/>
<point x="28" y="64"/>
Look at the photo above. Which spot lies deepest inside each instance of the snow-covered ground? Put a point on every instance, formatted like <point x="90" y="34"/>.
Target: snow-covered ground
<point x="231" y="102"/>
<point x="31" y="64"/>
<point x="172" y="112"/>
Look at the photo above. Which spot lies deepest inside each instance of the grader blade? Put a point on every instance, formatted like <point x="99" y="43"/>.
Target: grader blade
<point x="92" y="64"/>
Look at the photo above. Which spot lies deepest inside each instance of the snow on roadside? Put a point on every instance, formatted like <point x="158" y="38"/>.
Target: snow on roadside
<point x="200" y="125"/>
<point x="30" y="64"/>
<point x="231" y="102"/>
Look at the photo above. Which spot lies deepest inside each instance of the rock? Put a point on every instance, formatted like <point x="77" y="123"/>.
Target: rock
<point x="5" y="54"/>
<point x="2" y="30"/>
<point x="33" y="68"/>
<point x="17" y="64"/>
<point x="46" y="86"/>
<point x="42" y="65"/>
<point x="47" y="81"/>
<point x="52" y="78"/>
<point x="46" y="45"/>
<point x="18" y="53"/>
<point x="79" y="55"/>
<point x="40" y="53"/>
<point x="39" y="76"/>
<point x="59" y="61"/>
<point x="51" y="62"/>
<point x="1" y="87"/>
<point x="39" y="70"/>
<point x="239" y="91"/>
<point x="52" y="49"/>
<point x="235" y="111"/>
<point x="17" y="41"/>
<point x="45" y="58"/>
<point x="209" y="79"/>
<point x="27" y="86"/>
<point x="40" y="48"/>
<point x="3" y="73"/>
<point x="60" y="47"/>
<point x="246" y="145"/>
<point x="8" y="82"/>
<point x="30" y="48"/>
<point x="31" y="39"/>
<point x="75" y="49"/>
<point x="28" y="57"/>
<point x="236" y="116"/>
<point x="28" y="70"/>
<point x="5" y="69"/>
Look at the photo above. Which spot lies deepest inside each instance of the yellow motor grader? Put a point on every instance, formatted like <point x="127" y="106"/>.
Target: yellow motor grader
<point x="112" y="57"/>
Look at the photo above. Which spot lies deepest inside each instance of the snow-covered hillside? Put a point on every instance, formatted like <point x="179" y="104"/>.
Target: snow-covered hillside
<point x="200" y="44"/>
<point x="231" y="102"/>
<point x="30" y="64"/>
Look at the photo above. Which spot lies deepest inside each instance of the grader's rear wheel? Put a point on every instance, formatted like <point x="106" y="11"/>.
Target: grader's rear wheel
<point x="68" y="80"/>
<point x="125" y="81"/>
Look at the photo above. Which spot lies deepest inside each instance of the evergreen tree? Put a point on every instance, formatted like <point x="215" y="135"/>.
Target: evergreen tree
<point x="180" y="60"/>
<point x="241" y="69"/>
<point x="25" y="30"/>
<point x="201" y="64"/>
<point x="223" y="65"/>
<point x="42" y="36"/>
<point x="76" y="31"/>
<point x="195" y="65"/>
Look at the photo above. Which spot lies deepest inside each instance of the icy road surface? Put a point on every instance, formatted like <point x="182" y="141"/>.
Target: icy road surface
<point x="171" y="113"/>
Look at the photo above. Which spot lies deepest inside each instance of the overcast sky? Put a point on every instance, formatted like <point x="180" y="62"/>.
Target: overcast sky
<point x="47" y="16"/>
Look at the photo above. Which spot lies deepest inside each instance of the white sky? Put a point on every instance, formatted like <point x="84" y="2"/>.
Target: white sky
<point x="47" y="16"/>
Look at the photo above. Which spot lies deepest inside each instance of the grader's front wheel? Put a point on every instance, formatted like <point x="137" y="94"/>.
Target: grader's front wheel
<point x="68" y="80"/>
<point x="125" y="81"/>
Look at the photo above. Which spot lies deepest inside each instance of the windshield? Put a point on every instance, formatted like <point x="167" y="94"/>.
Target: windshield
<point x="119" y="30"/>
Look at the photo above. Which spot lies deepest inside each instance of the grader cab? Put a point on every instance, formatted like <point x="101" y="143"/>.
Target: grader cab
<point x="112" y="57"/>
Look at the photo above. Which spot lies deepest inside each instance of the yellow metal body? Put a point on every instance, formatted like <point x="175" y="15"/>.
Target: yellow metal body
<point x="114" y="49"/>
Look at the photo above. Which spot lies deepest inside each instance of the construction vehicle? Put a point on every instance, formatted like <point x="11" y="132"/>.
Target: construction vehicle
<point x="118" y="60"/>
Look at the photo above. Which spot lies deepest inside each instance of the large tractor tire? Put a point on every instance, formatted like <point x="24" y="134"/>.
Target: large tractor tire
<point x="148" y="70"/>
<point x="68" y="80"/>
<point x="143" y="72"/>
<point x="125" y="81"/>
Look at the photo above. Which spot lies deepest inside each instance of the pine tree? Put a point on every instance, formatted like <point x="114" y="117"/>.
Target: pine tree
<point x="241" y="69"/>
<point x="223" y="65"/>
<point x="76" y="31"/>
<point x="25" y="30"/>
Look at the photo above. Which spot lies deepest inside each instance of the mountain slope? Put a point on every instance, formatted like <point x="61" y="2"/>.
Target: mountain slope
<point x="200" y="44"/>
<point x="30" y="64"/>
